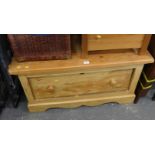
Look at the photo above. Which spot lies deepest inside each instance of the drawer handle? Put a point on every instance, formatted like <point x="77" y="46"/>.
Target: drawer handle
<point x="98" y="36"/>
<point x="114" y="83"/>
<point x="50" y="88"/>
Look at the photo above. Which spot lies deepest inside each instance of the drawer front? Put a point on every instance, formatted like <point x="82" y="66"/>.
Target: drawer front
<point x="114" y="41"/>
<point x="65" y="85"/>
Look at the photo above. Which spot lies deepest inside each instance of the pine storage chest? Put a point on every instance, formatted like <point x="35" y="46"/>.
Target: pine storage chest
<point x="72" y="83"/>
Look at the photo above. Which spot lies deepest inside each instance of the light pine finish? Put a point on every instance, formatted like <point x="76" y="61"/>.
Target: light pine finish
<point x="110" y="59"/>
<point x="84" y="43"/>
<point x="114" y="41"/>
<point x="135" y="77"/>
<point x="145" y="44"/>
<point x="119" y="87"/>
<point x="27" y="88"/>
<point x="73" y="84"/>
<point x="102" y="42"/>
<point x="75" y="102"/>
<point x="108" y="77"/>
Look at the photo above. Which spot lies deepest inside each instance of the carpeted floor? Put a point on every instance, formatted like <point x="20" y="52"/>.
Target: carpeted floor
<point x="144" y="110"/>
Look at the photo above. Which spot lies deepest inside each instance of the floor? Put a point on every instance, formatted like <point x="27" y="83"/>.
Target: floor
<point x="144" y="110"/>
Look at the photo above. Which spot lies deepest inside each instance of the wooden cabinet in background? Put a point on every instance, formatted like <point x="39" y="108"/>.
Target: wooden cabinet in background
<point x="102" y="42"/>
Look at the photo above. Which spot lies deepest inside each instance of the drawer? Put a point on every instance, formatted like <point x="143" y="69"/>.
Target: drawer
<point x="114" y="41"/>
<point x="76" y="84"/>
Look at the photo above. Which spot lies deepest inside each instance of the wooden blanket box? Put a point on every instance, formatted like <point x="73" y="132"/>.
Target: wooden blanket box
<point x="89" y="80"/>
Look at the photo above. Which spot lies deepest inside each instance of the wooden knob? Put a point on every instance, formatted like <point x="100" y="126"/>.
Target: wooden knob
<point x="50" y="88"/>
<point x="98" y="36"/>
<point x="113" y="82"/>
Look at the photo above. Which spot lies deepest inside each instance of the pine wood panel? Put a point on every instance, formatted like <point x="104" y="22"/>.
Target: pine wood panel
<point x="26" y="86"/>
<point x="114" y="41"/>
<point x="108" y="77"/>
<point x="135" y="78"/>
<point x="89" y="100"/>
<point x="121" y="96"/>
<point x="111" y="59"/>
<point x="80" y="84"/>
<point x="84" y="45"/>
<point x="145" y="44"/>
